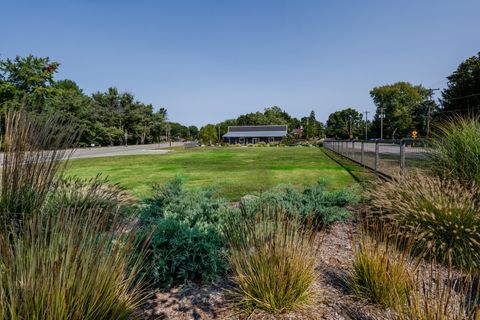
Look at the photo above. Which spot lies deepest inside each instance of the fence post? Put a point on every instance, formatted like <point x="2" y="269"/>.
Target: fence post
<point x="353" y="149"/>
<point x="362" y="153"/>
<point x="402" y="156"/>
<point x="377" y="147"/>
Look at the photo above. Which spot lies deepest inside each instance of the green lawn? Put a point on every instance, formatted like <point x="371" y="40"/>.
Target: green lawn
<point x="234" y="171"/>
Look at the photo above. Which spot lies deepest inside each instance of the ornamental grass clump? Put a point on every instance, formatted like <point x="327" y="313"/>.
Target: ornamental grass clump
<point x="456" y="150"/>
<point x="272" y="259"/>
<point x="380" y="268"/>
<point x="440" y="217"/>
<point x="66" y="266"/>
<point x="441" y="294"/>
<point x="59" y="259"/>
<point x="31" y="166"/>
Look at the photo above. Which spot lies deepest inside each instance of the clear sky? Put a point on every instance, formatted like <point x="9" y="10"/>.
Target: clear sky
<point x="206" y="61"/>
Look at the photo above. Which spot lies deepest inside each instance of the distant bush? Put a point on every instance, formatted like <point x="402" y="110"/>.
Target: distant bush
<point x="272" y="259"/>
<point x="442" y="217"/>
<point x="379" y="271"/>
<point x="326" y="206"/>
<point x="187" y="243"/>
<point x="456" y="150"/>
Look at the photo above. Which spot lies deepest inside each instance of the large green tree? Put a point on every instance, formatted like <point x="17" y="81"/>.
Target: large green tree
<point x="344" y="124"/>
<point x="27" y="80"/>
<point x="404" y="106"/>
<point x="462" y="95"/>
<point x="312" y="128"/>
<point x="104" y="118"/>
<point x="208" y="134"/>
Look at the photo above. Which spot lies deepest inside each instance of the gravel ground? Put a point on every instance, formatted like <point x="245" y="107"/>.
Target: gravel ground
<point x="332" y="300"/>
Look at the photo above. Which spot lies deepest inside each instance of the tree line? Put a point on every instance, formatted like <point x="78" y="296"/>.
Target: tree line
<point x="102" y="118"/>
<point x="403" y="107"/>
<point x="116" y="118"/>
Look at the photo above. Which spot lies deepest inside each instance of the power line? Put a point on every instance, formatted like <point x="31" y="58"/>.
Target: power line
<point x="468" y="96"/>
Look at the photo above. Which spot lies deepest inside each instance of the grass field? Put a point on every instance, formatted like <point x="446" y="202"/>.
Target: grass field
<point x="234" y="171"/>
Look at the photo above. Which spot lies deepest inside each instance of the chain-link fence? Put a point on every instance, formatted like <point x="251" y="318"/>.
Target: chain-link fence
<point x="384" y="157"/>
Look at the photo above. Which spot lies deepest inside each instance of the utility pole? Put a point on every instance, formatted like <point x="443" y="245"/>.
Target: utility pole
<point x="382" y="115"/>
<point x="429" y="113"/>
<point x="366" y="124"/>
<point x="167" y="133"/>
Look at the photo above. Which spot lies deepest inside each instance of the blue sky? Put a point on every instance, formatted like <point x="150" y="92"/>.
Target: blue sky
<point x="206" y="61"/>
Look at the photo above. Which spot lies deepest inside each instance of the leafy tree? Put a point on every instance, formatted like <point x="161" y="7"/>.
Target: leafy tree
<point x="193" y="132"/>
<point x="462" y="95"/>
<point x="208" y="134"/>
<point x="179" y="131"/>
<point x="400" y="102"/>
<point x="30" y="76"/>
<point x="67" y="101"/>
<point x="344" y="124"/>
<point x="104" y="118"/>
<point x="311" y="127"/>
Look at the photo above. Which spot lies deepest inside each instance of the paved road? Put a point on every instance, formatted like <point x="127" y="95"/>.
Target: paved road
<point x="97" y="152"/>
<point x="123" y="151"/>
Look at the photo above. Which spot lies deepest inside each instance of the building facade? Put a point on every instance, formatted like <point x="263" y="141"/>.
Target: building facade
<point x="255" y="134"/>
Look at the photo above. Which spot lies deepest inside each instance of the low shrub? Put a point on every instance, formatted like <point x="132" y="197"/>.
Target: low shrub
<point x="456" y="150"/>
<point x="178" y="253"/>
<point x="441" y="217"/>
<point x="187" y="243"/>
<point x="272" y="259"/>
<point x="325" y="206"/>
<point x="379" y="271"/>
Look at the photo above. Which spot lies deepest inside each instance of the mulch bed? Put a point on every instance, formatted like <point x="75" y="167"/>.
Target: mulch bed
<point x="332" y="299"/>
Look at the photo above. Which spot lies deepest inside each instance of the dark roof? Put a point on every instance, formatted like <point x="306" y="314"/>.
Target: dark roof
<point x="257" y="134"/>
<point x="256" y="131"/>
<point x="256" y="128"/>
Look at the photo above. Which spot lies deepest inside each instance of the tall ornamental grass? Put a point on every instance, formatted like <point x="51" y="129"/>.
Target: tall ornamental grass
<point x="440" y="217"/>
<point x="441" y="294"/>
<point x="456" y="150"/>
<point x="380" y="267"/>
<point x="31" y="168"/>
<point x="272" y="259"/>
<point x="59" y="259"/>
<point x="66" y="266"/>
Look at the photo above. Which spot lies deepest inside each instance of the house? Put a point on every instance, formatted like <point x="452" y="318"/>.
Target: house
<point x="255" y="134"/>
